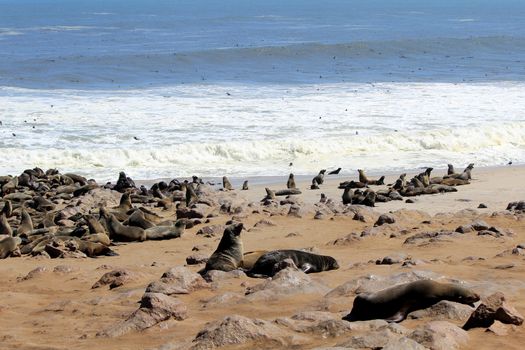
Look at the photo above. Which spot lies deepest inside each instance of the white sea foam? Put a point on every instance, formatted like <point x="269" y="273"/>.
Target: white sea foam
<point x="258" y="130"/>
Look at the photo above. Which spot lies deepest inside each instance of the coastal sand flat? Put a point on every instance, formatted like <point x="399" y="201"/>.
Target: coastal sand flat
<point x="59" y="310"/>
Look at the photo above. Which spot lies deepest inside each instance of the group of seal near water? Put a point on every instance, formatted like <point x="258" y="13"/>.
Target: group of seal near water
<point x="34" y="219"/>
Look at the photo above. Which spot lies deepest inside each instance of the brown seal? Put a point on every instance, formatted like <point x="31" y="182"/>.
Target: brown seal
<point x="228" y="255"/>
<point x="226" y="184"/>
<point x="7" y="210"/>
<point x="138" y="219"/>
<point x="395" y="303"/>
<point x="166" y="232"/>
<point x="5" y="228"/>
<point x="347" y="195"/>
<point x="8" y="246"/>
<point x="249" y="258"/>
<point x="245" y="185"/>
<point x="291" y="182"/>
<point x="119" y="232"/>
<point x="308" y="262"/>
<point x="364" y="179"/>
<point x="26" y="224"/>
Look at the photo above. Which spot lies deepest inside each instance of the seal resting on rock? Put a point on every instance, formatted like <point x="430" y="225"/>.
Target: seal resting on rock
<point x="395" y="303"/>
<point x="228" y="255"/>
<point x="308" y="262"/>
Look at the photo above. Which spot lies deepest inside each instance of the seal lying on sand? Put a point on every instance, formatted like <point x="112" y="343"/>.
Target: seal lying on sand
<point x="395" y="303"/>
<point x="308" y="262"/>
<point x="166" y="232"/>
<point x="228" y="255"/>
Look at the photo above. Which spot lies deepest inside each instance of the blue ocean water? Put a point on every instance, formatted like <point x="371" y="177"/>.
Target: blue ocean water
<point x="247" y="86"/>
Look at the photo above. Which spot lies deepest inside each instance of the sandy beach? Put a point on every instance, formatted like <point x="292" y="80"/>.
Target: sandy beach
<point x="55" y="307"/>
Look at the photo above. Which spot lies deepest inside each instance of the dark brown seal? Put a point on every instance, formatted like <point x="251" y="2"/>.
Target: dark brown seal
<point x="308" y="262"/>
<point x="395" y="303"/>
<point x="228" y="255"/>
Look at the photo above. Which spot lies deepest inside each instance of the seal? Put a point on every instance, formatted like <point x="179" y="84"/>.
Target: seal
<point x="5" y="228"/>
<point x="8" y="246"/>
<point x="166" y="232"/>
<point x="335" y="172"/>
<point x="117" y="231"/>
<point x="450" y="170"/>
<point x="319" y="179"/>
<point x="226" y="184"/>
<point x="307" y="262"/>
<point x="347" y="195"/>
<point x="249" y="258"/>
<point x="228" y="255"/>
<point x="245" y="185"/>
<point x="395" y="303"/>
<point x="364" y="179"/>
<point x="138" y="219"/>
<point x="190" y="195"/>
<point x="26" y="224"/>
<point x="7" y="210"/>
<point x="291" y="182"/>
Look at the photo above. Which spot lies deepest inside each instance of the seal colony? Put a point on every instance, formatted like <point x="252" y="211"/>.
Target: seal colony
<point x="47" y="214"/>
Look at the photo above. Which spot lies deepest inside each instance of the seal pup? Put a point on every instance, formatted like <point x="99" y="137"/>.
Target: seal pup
<point x="229" y="253"/>
<point x="335" y="172"/>
<point x="245" y="185"/>
<point x="395" y="303"/>
<point x="8" y="246"/>
<point x="226" y="185"/>
<point x="291" y="182"/>
<point x="307" y="262"/>
<point x="166" y="232"/>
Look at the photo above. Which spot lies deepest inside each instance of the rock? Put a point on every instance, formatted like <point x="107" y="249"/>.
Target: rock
<point x="498" y="328"/>
<point x="493" y="308"/>
<point x="490" y="233"/>
<point x="395" y="258"/>
<point x="211" y="231"/>
<point x="482" y="206"/>
<point x="264" y="222"/>
<point x="385" y="219"/>
<point x="33" y="273"/>
<point x="154" y="308"/>
<point x="444" y="310"/>
<point x="359" y="217"/>
<point x="63" y="269"/>
<point x="440" y="335"/>
<point x="287" y="281"/>
<point x="198" y="211"/>
<point x="426" y="237"/>
<point x="240" y="330"/>
<point x="227" y="298"/>
<point x="177" y="280"/>
<point x="410" y="201"/>
<point x="465" y="229"/>
<point x="480" y="225"/>
<point x="320" y="323"/>
<point x="403" y="343"/>
<point x="375" y="340"/>
<point x="196" y="259"/>
<point x="295" y="211"/>
<point x="115" y="278"/>
<point x="373" y="283"/>
<point x="349" y="239"/>
<point x="217" y="275"/>
<point x="319" y="216"/>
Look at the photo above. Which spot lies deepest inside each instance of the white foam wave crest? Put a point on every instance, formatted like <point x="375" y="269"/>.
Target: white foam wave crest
<point x="490" y="144"/>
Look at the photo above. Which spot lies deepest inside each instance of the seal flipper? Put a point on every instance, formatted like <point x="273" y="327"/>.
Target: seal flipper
<point x="398" y="316"/>
<point x="306" y="267"/>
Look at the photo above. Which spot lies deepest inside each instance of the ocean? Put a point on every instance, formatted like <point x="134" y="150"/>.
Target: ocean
<point x="163" y="89"/>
